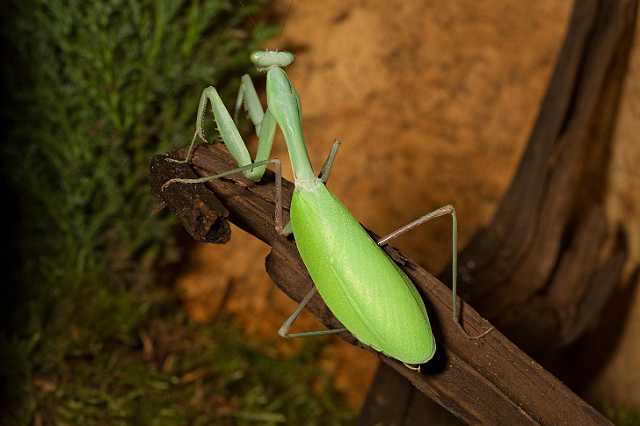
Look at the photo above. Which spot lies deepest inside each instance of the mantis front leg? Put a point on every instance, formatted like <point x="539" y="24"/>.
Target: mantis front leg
<point x="263" y="122"/>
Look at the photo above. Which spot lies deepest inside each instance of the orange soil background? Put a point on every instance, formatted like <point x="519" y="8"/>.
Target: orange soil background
<point x="435" y="99"/>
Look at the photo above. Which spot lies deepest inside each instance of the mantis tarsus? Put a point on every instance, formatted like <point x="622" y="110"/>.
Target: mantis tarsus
<point x="372" y="297"/>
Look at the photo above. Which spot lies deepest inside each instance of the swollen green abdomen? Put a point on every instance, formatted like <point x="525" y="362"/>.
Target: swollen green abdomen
<point x="360" y="284"/>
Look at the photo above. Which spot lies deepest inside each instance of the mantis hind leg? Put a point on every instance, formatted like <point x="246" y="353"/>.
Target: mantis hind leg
<point x="263" y="122"/>
<point x="442" y="211"/>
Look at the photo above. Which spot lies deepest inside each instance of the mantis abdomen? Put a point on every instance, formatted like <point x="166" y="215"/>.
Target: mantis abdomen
<point x="360" y="284"/>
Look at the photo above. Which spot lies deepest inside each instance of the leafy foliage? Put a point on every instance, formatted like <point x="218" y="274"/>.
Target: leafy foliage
<point x="96" y="88"/>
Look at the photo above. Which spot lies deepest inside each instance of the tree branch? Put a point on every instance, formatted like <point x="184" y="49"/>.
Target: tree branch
<point x="488" y="381"/>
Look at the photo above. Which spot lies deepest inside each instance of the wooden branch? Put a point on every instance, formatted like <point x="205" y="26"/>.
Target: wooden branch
<point x="488" y="381"/>
<point x="532" y="270"/>
<point x="538" y="270"/>
<point x="206" y="219"/>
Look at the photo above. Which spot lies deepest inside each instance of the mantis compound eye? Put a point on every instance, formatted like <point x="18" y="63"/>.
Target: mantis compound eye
<point x="264" y="59"/>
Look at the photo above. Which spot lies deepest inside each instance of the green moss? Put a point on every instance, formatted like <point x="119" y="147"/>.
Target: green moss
<point x="97" y="88"/>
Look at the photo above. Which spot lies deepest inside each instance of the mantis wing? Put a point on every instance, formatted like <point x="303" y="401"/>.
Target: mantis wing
<point x="361" y="285"/>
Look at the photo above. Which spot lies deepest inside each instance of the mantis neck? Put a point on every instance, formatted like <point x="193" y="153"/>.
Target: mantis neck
<point x="283" y="102"/>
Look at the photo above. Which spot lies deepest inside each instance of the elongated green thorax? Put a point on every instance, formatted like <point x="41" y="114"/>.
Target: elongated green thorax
<point x="284" y="104"/>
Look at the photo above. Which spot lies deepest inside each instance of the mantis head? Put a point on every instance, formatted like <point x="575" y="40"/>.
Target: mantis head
<point x="265" y="59"/>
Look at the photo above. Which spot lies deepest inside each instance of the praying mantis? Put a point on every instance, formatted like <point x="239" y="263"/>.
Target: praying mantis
<point x="362" y="286"/>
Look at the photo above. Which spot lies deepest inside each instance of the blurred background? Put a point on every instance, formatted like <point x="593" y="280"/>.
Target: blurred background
<point x="113" y="316"/>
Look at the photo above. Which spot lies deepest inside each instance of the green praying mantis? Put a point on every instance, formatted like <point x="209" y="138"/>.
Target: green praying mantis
<point x="362" y="286"/>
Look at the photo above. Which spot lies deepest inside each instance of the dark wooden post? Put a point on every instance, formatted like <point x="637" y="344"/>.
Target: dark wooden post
<point x="538" y="271"/>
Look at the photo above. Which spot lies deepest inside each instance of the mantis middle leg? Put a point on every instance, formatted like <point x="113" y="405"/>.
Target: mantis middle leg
<point x="284" y="328"/>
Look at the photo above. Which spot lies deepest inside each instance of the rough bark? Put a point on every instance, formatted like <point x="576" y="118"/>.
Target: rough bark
<point x="543" y="249"/>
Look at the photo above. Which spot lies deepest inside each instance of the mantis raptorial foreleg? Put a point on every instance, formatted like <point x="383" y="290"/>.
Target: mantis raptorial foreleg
<point x="264" y="123"/>
<point x="248" y="97"/>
